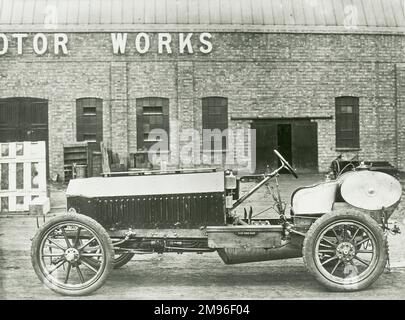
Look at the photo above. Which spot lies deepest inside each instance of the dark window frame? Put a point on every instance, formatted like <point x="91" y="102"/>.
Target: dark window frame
<point x="347" y="122"/>
<point x="152" y="112"/>
<point x="214" y="111"/>
<point x="89" y="123"/>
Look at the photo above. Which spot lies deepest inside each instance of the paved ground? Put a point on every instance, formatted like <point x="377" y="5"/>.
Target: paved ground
<point x="192" y="276"/>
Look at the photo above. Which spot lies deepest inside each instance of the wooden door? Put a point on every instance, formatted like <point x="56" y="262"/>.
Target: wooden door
<point x="305" y="146"/>
<point x="89" y="119"/>
<point x="23" y="119"/>
<point x="266" y="142"/>
<point x="9" y="115"/>
<point x="33" y="120"/>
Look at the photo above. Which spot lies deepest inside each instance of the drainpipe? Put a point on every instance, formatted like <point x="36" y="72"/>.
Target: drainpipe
<point x="396" y="115"/>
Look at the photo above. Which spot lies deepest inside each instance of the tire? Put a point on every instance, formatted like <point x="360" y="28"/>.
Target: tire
<point x="79" y="244"/>
<point x="333" y="245"/>
<point x="122" y="259"/>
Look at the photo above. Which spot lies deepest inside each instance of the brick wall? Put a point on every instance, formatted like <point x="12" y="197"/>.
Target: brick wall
<point x="119" y="110"/>
<point x="261" y="75"/>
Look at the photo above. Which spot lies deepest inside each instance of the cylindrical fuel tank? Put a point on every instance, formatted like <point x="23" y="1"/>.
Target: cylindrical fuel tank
<point x="245" y="255"/>
<point x="371" y="190"/>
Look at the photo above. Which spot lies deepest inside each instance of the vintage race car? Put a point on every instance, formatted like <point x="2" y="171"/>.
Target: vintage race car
<point x="110" y="219"/>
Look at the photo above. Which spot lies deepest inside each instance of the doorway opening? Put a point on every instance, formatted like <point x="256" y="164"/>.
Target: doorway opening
<point x="284" y="145"/>
<point x="296" y="140"/>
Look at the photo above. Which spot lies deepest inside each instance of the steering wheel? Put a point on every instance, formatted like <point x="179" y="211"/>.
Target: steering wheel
<point x="286" y="164"/>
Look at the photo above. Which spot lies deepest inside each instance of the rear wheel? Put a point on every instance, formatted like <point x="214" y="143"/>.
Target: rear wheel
<point x="345" y="251"/>
<point x="72" y="254"/>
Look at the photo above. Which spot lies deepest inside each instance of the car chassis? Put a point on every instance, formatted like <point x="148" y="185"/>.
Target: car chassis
<point x="110" y="219"/>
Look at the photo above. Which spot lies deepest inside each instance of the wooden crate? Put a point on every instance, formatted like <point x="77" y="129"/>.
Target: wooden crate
<point x="22" y="174"/>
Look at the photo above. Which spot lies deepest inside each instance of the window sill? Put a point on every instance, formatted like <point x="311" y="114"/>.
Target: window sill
<point x="347" y="149"/>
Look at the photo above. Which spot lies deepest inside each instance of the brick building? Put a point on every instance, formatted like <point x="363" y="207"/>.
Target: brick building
<point x="314" y="78"/>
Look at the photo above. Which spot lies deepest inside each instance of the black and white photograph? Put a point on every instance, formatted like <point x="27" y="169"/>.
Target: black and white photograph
<point x="204" y="150"/>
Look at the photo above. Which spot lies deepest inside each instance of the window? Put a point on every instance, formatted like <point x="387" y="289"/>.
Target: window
<point x="347" y="122"/>
<point x="89" y="111"/>
<point x="89" y="137"/>
<point x="214" y="116"/>
<point x="152" y="113"/>
<point x="89" y="119"/>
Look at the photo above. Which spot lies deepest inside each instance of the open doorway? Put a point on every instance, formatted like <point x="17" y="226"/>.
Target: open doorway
<point x="296" y="140"/>
<point x="284" y="145"/>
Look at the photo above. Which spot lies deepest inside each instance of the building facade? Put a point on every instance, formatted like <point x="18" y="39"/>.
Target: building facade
<point x="310" y="84"/>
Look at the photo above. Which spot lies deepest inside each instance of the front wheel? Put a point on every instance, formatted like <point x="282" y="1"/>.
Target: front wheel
<point x="72" y="254"/>
<point x="345" y="251"/>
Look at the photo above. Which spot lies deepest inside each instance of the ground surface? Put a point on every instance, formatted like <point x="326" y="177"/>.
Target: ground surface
<point x="192" y="276"/>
